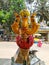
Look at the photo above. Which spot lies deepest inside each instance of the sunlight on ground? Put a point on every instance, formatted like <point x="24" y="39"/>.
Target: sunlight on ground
<point x="8" y="49"/>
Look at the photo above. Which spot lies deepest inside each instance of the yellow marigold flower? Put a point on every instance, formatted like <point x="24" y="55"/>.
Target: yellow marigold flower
<point x="33" y="14"/>
<point x="24" y="12"/>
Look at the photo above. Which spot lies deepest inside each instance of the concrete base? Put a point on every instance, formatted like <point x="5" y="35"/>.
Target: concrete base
<point x="33" y="61"/>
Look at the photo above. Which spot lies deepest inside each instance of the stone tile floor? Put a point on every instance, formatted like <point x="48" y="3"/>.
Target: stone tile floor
<point x="8" y="49"/>
<point x="4" y="61"/>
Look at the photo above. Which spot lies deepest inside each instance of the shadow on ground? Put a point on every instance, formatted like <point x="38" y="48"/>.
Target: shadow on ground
<point x="4" y="61"/>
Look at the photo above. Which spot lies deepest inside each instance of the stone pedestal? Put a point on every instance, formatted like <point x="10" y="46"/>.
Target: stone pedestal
<point x="34" y="60"/>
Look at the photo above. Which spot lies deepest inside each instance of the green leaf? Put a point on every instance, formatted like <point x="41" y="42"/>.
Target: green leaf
<point x="7" y="15"/>
<point x="3" y="21"/>
<point x="1" y="14"/>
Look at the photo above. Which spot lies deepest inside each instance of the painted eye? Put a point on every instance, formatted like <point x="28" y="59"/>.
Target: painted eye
<point x="25" y="16"/>
<point x="17" y="16"/>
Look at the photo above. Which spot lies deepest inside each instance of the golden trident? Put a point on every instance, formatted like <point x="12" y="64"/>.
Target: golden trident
<point x="22" y="19"/>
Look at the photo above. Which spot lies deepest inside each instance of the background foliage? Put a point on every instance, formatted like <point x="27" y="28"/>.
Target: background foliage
<point x="7" y="9"/>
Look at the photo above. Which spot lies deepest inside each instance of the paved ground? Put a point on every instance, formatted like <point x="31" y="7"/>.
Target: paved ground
<point x="8" y="49"/>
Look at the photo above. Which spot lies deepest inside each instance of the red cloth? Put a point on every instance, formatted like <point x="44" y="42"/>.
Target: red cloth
<point x="25" y="44"/>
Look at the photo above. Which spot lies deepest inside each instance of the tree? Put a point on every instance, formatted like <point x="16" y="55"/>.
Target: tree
<point x="41" y="7"/>
<point x="17" y="5"/>
<point x="8" y="7"/>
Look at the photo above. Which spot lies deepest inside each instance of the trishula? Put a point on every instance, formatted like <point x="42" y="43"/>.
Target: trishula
<point x="25" y="33"/>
